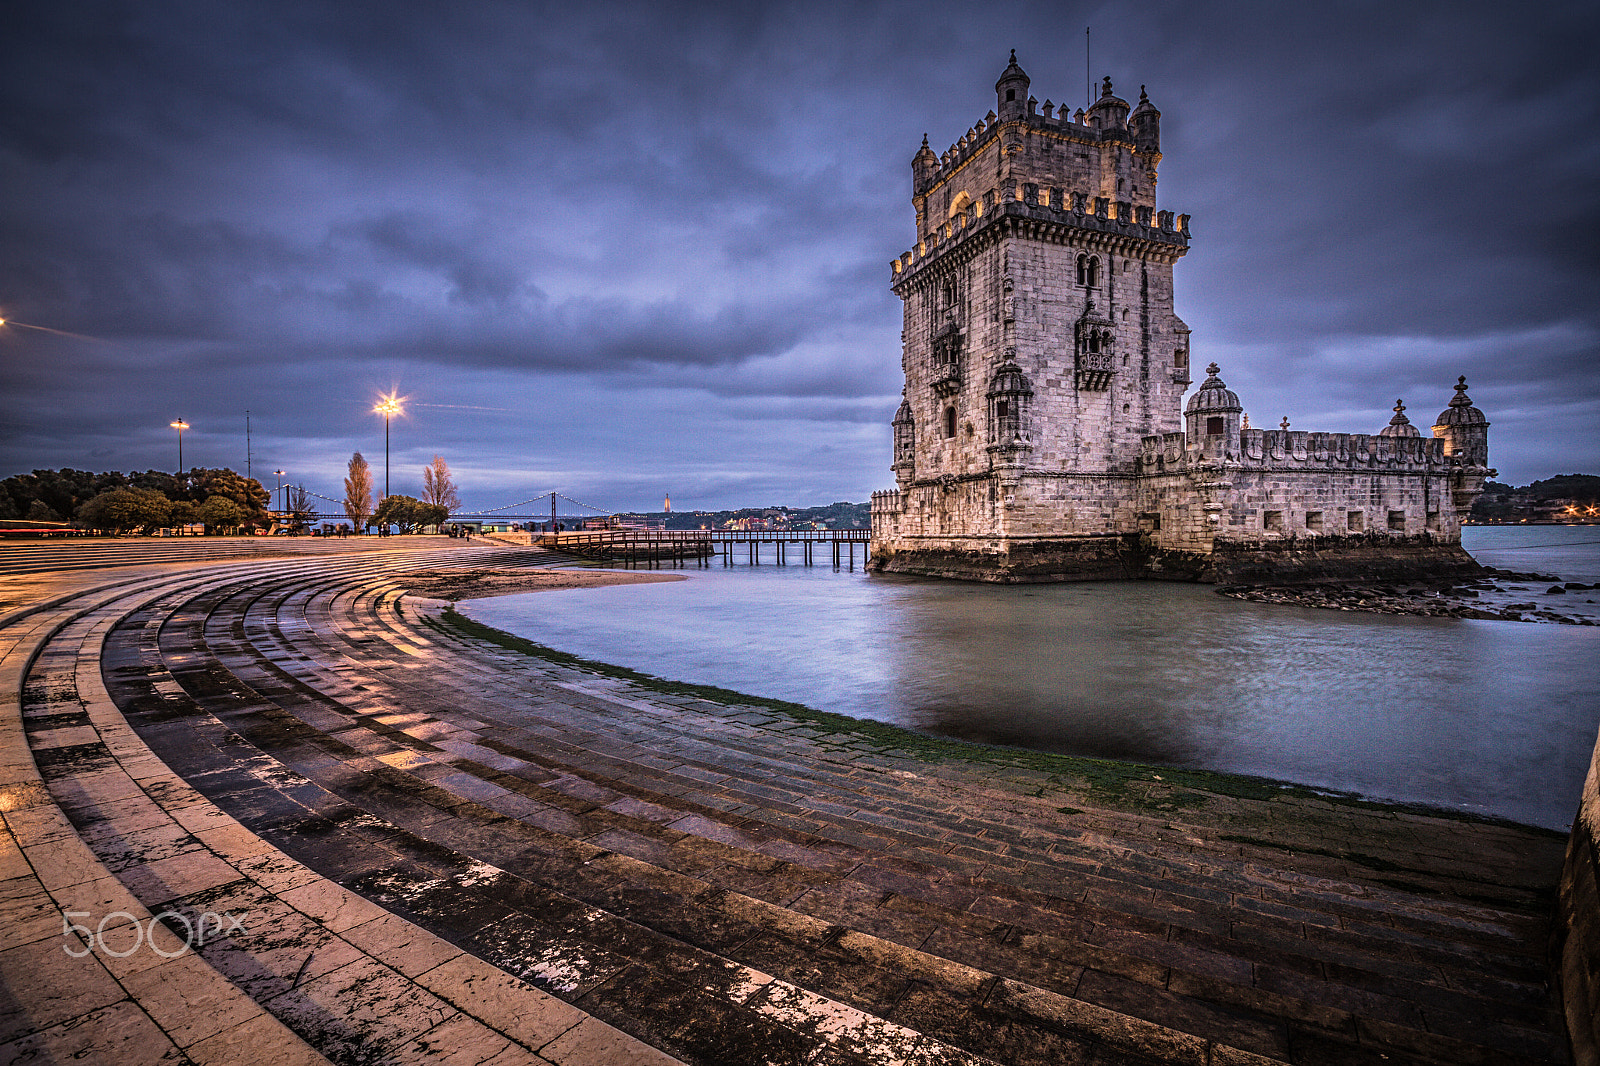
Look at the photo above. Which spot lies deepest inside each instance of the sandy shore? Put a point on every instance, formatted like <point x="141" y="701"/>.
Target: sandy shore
<point x="476" y="583"/>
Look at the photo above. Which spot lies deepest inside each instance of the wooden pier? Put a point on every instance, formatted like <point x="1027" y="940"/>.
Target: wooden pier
<point x="676" y="547"/>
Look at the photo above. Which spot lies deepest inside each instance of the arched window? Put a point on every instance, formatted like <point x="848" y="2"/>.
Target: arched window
<point x="1083" y="270"/>
<point x="1092" y="273"/>
<point x="949" y="421"/>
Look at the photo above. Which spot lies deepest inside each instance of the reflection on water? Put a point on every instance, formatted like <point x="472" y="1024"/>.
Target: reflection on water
<point x="1498" y="717"/>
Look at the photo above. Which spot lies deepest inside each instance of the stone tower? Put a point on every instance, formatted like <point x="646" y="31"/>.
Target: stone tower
<point x="1040" y="343"/>
<point x="1043" y="434"/>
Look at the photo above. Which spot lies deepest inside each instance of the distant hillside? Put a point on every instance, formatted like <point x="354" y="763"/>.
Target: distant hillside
<point x="1541" y="500"/>
<point x="833" y="516"/>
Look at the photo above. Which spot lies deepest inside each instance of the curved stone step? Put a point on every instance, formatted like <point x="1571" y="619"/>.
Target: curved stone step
<point x="130" y="809"/>
<point x="402" y="884"/>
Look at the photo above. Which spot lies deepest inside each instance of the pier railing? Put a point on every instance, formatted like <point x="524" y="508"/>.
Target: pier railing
<point x="700" y="544"/>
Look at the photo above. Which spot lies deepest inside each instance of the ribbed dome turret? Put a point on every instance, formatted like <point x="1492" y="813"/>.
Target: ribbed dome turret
<point x="1461" y="412"/>
<point x="1009" y="380"/>
<point x="1110" y="111"/>
<point x="1213" y="396"/>
<point x="1399" y="425"/>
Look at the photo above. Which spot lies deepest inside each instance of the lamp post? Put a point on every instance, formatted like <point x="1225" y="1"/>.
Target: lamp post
<point x="180" y="425"/>
<point x="388" y="408"/>
<point x="283" y="503"/>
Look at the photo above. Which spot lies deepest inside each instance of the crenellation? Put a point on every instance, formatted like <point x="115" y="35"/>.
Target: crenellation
<point x="1040" y="436"/>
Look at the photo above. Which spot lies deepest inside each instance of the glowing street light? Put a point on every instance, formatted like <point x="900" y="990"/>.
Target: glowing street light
<point x="180" y="425"/>
<point x="388" y="408"/>
<point x="284" y="505"/>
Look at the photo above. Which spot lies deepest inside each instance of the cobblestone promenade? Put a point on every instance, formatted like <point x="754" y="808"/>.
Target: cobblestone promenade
<point x="373" y="836"/>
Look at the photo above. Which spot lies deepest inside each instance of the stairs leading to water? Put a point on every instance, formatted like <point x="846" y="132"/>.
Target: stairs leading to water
<point x="726" y="883"/>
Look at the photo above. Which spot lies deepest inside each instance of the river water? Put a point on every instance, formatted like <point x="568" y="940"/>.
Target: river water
<point x="1487" y="716"/>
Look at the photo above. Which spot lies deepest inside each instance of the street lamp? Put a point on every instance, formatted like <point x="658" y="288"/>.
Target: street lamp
<point x="284" y="501"/>
<point x="180" y="425"/>
<point x="388" y="408"/>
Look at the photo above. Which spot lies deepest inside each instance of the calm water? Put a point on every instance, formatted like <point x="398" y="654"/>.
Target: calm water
<point x="1497" y="717"/>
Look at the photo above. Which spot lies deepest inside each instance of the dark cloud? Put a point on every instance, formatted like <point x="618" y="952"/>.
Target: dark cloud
<point x="656" y="237"/>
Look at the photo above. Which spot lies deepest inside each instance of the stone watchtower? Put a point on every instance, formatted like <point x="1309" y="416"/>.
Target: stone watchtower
<point x="1043" y="437"/>
<point x="1040" y="343"/>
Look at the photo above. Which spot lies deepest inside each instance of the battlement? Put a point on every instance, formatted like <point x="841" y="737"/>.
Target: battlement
<point x="1291" y="449"/>
<point x="1073" y="210"/>
<point x="885" y="503"/>
<point x="1076" y="127"/>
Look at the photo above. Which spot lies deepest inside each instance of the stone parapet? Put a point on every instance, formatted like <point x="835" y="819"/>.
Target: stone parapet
<point x="1161" y="231"/>
<point x="1266" y="449"/>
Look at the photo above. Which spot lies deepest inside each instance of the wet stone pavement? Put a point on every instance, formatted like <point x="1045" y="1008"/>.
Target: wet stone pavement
<point x="409" y="844"/>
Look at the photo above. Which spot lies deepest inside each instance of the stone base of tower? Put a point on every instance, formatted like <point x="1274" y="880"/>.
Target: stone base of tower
<point x="1132" y="556"/>
<point x="1335" y="560"/>
<point x="1008" y="560"/>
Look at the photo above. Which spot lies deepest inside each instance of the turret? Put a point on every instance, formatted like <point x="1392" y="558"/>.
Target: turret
<point x="1399" y="425"/>
<point x="1213" y="412"/>
<point x="1464" y="429"/>
<point x="1011" y="91"/>
<point x="1110" y="111"/>
<point x="923" y="165"/>
<point x="1145" y="123"/>
<point x="1466" y="443"/>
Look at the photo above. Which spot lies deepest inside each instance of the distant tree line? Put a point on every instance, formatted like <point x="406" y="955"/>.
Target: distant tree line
<point x="1501" y="502"/>
<point x="223" y="500"/>
<point x="407" y="513"/>
<point x="842" y="515"/>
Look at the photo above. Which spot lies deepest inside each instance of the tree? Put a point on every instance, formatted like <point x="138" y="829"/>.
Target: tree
<point x="63" y="491"/>
<point x="403" y="511"/>
<point x="124" y="509"/>
<point x="299" y="508"/>
<point x="201" y="484"/>
<point x="432" y="514"/>
<point x="438" y="488"/>
<point x="219" y="512"/>
<point x="358" y="492"/>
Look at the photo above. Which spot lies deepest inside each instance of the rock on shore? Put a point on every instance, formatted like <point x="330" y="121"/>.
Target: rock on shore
<point x="1503" y="595"/>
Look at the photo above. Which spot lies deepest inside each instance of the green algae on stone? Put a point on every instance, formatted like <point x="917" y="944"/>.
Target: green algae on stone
<point x="1130" y="786"/>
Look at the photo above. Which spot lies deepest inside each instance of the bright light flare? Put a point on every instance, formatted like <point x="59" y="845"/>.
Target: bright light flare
<point x="180" y="425"/>
<point x="47" y="329"/>
<point x="390" y="405"/>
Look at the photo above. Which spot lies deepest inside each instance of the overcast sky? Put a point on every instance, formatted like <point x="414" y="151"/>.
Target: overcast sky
<point x="621" y="250"/>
